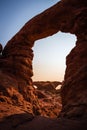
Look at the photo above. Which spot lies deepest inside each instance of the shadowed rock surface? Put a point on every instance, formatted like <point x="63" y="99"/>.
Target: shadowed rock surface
<point x="49" y="98"/>
<point x="17" y="94"/>
<point x="47" y="85"/>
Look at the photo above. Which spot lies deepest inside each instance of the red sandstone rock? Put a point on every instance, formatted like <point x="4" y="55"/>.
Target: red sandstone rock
<point x="16" y="87"/>
<point x="47" y="85"/>
<point x="49" y="98"/>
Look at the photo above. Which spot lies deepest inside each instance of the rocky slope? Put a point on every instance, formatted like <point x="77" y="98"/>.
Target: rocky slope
<point x="49" y="98"/>
<point x="18" y="98"/>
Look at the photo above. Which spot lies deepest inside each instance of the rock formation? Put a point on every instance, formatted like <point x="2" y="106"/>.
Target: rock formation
<point x="1" y="48"/>
<point x="49" y="98"/>
<point x="47" y="85"/>
<point x="16" y="70"/>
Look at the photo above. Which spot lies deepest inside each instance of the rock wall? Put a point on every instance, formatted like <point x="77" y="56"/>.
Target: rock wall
<point x="15" y="75"/>
<point x="16" y="60"/>
<point x="74" y="89"/>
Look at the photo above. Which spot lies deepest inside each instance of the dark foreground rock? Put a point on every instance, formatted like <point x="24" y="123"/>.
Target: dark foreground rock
<point x="18" y="97"/>
<point x="26" y="121"/>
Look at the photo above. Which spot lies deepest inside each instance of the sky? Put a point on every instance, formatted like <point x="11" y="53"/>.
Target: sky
<point x="49" y="53"/>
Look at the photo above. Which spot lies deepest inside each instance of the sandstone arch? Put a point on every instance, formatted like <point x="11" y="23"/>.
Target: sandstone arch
<point x="16" y="61"/>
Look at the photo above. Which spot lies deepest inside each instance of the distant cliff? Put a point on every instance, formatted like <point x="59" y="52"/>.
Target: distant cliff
<point x="47" y="85"/>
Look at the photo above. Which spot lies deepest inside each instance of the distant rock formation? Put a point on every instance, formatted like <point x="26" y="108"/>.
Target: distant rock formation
<point x="47" y="85"/>
<point x="16" y="86"/>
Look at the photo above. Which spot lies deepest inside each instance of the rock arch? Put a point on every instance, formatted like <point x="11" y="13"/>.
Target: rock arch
<point x="16" y="61"/>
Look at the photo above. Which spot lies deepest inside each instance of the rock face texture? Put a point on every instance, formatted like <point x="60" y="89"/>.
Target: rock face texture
<point x="49" y="98"/>
<point x="16" y="86"/>
<point x="75" y="101"/>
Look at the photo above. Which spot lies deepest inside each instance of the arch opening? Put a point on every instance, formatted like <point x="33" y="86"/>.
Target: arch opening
<point x="49" y="66"/>
<point x="50" y="53"/>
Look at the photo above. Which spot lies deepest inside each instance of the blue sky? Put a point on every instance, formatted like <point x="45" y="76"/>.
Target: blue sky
<point x="50" y="53"/>
<point x="50" y="56"/>
<point x="15" y="13"/>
